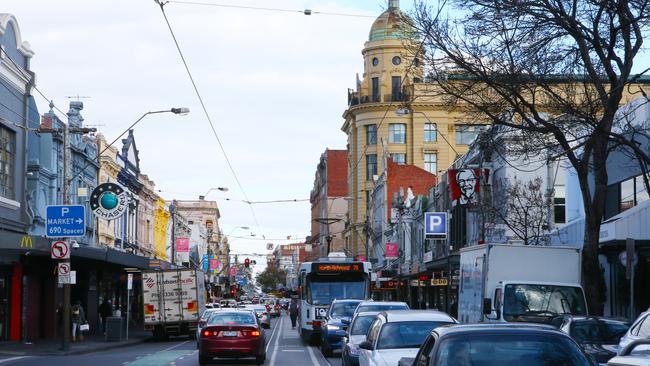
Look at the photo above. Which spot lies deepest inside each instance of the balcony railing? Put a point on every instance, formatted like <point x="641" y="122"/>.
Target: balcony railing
<point x="355" y="99"/>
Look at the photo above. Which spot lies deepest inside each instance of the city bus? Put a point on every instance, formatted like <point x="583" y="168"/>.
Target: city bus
<point x="334" y="277"/>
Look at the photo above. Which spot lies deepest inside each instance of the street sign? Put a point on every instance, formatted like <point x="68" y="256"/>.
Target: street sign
<point x="435" y="225"/>
<point x="60" y="250"/>
<point x="63" y="269"/>
<point x="129" y="282"/>
<point x="109" y="201"/>
<point x="65" y="221"/>
<point x="392" y="251"/>
<point x="67" y="279"/>
<point x="233" y="271"/>
<point x="269" y="246"/>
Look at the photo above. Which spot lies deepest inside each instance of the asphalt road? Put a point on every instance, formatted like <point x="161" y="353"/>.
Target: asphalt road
<point x="284" y="347"/>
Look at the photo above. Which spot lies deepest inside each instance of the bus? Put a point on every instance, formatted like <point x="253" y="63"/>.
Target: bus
<point x="334" y="277"/>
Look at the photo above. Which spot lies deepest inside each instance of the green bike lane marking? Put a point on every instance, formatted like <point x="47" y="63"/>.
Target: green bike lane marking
<point x="160" y="358"/>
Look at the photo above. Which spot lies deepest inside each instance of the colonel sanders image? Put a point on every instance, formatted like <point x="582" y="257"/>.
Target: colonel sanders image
<point x="466" y="181"/>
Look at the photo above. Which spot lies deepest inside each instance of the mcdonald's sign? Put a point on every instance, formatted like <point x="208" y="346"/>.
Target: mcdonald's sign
<point x="26" y="242"/>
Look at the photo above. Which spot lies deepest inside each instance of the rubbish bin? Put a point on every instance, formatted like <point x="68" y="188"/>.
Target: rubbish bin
<point x="113" y="329"/>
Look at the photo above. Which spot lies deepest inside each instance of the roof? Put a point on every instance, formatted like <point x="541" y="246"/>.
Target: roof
<point x="347" y="300"/>
<point x="416" y="316"/>
<point x="499" y="328"/>
<point x="598" y="318"/>
<point x="389" y="25"/>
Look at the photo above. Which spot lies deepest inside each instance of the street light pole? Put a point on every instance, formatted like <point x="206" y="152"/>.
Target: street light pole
<point x="66" y="201"/>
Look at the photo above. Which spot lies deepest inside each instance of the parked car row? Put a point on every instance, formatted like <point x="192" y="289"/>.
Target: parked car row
<point x="388" y="333"/>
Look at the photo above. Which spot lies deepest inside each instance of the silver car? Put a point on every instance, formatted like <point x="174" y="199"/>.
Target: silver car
<point x="640" y="329"/>
<point x="262" y="314"/>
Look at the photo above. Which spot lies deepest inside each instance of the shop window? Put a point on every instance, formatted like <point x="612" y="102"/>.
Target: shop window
<point x="627" y="195"/>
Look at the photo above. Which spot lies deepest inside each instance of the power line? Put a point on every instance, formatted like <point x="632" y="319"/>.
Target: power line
<point x="289" y="200"/>
<point x="205" y="111"/>
<point x="246" y="7"/>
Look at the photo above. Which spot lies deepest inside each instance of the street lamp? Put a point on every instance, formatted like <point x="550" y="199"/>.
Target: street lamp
<point x="222" y="189"/>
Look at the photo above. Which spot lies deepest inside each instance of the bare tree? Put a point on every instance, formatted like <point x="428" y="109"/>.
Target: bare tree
<point x="555" y="70"/>
<point x="521" y="207"/>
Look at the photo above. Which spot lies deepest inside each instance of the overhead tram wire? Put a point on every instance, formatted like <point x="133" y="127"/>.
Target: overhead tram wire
<point x="162" y="3"/>
<point x="289" y="200"/>
<point x="245" y="7"/>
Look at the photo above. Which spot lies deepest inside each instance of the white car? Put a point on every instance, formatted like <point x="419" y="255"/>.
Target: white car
<point x="371" y="305"/>
<point x="630" y="356"/>
<point x="397" y="334"/>
<point x="640" y="329"/>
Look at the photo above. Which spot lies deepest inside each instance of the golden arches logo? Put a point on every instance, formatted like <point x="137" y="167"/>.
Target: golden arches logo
<point x="26" y="242"/>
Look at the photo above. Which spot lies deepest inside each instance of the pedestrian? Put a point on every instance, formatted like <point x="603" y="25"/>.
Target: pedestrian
<point x="105" y="310"/>
<point x="78" y="317"/>
<point x="293" y="313"/>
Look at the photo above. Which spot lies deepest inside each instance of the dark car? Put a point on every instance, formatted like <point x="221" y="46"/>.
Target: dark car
<point x="336" y="324"/>
<point x="232" y="334"/>
<point x="499" y="345"/>
<point x="598" y="336"/>
<point x="356" y="334"/>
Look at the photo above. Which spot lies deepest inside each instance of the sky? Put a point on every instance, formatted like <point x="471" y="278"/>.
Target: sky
<point x="274" y="83"/>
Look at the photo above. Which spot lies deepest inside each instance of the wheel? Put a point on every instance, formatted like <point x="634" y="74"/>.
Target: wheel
<point x="260" y="359"/>
<point x="203" y="360"/>
<point x="325" y="349"/>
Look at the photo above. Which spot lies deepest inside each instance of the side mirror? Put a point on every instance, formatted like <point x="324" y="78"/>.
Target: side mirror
<point x="487" y="306"/>
<point x="366" y="345"/>
<point x="344" y="340"/>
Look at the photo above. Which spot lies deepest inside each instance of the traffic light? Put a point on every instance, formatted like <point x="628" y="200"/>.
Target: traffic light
<point x="247" y="262"/>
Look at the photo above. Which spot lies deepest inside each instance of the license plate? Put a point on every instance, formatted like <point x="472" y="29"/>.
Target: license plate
<point x="230" y="333"/>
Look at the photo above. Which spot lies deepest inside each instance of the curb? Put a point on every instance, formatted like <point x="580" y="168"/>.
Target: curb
<point x="75" y="352"/>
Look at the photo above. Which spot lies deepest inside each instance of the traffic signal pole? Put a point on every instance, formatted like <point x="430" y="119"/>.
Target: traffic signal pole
<point x="66" y="201"/>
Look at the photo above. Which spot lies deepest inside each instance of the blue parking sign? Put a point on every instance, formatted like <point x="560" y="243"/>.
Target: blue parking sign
<point x="65" y="221"/>
<point x="435" y="225"/>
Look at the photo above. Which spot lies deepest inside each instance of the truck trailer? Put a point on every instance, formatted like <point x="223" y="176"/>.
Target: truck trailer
<point x="173" y="301"/>
<point x="519" y="283"/>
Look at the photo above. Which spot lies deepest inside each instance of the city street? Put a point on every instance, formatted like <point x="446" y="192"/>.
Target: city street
<point x="283" y="348"/>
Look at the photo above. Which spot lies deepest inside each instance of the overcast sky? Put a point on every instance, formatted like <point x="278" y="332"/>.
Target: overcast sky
<point x="275" y="84"/>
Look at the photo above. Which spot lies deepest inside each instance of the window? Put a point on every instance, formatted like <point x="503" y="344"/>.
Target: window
<point x="465" y="134"/>
<point x="373" y="332"/>
<point x="559" y="205"/>
<point x="431" y="163"/>
<point x="371" y="134"/>
<point x="371" y="165"/>
<point x="375" y="89"/>
<point x="396" y="86"/>
<point x="7" y="152"/>
<point x="430" y="132"/>
<point x="375" y="61"/>
<point x="627" y="194"/>
<point x="641" y="192"/>
<point x="397" y="133"/>
<point x="397" y="60"/>
<point x="644" y="328"/>
<point x="398" y="158"/>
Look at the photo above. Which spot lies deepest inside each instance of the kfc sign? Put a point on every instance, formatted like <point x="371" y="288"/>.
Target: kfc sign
<point x="465" y="184"/>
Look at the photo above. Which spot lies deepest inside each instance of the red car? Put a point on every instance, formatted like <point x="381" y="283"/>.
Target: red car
<point x="232" y="334"/>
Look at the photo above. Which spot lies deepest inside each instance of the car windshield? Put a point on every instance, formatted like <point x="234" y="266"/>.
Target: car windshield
<point x="405" y="334"/>
<point x="362" y="324"/>
<point x="598" y="331"/>
<point x="343" y="309"/>
<point x="381" y="307"/>
<point x="500" y="350"/>
<point x="529" y="302"/>
<point x="206" y="314"/>
<point x="324" y="292"/>
<point x="232" y="318"/>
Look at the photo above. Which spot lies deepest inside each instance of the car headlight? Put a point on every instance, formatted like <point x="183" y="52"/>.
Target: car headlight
<point x="332" y="327"/>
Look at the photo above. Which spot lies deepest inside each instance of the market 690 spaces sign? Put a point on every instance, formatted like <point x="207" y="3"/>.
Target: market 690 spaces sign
<point x="109" y="201"/>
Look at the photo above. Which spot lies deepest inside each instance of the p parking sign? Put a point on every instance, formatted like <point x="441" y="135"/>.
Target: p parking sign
<point x="435" y="225"/>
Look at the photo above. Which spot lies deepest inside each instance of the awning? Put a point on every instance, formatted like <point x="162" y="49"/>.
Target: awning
<point x="633" y="223"/>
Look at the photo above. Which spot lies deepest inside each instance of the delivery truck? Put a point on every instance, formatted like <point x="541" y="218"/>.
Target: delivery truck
<point x="519" y="283"/>
<point x="173" y="301"/>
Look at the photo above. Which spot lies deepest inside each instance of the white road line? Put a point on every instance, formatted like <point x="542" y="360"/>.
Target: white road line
<point x="314" y="360"/>
<point x="293" y="350"/>
<point x="272" y="334"/>
<point x="277" y="341"/>
<point x="13" y="359"/>
<point x="172" y="347"/>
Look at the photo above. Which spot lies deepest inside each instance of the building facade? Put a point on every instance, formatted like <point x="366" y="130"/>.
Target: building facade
<point x="329" y="204"/>
<point x="391" y="114"/>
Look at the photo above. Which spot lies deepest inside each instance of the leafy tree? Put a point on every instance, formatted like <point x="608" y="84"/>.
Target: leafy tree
<point x="270" y="278"/>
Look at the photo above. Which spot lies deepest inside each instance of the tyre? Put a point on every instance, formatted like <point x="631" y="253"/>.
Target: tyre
<point x="325" y="349"/>
<point x="203" y="360"/>
<point x="260" y="359"/>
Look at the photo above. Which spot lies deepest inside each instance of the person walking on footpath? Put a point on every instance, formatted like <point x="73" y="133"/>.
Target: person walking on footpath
<point x="77" y="318"/>
<point x="293" y="313"/>
<point x="105" y="310"/>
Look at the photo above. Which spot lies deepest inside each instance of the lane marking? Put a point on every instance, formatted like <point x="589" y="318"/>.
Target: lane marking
<point x="172" y="347"/>
<point x="14" y="358"/>
<point x="272" y="334"/>
<point x="314" y="360"/>
<point x="277" y="341"/>
<point x="293" y="350"/>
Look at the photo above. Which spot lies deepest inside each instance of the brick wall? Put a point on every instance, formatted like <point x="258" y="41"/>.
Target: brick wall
<point x="337" y="173"/>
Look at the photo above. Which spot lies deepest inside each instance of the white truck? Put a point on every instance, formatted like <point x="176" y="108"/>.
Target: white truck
<point x="173" y="301"/>
<point x="519" y="283"/>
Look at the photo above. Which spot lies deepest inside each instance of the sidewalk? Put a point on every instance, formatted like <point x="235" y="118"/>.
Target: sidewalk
<point x="91" y="343"/>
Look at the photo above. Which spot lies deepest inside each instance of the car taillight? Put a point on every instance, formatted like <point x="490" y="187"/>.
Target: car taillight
<point x="208" y="333"/>
<point x="252" y="333"/>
